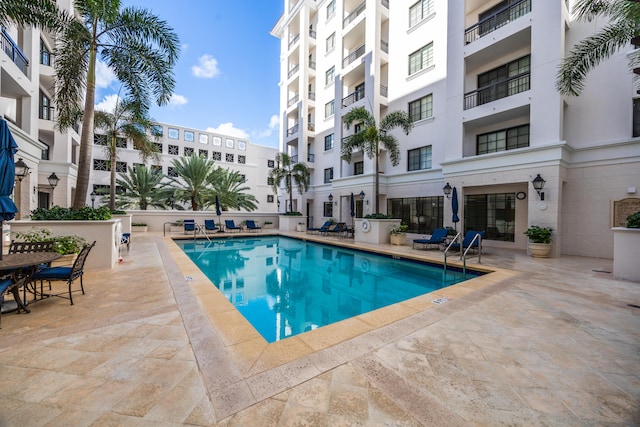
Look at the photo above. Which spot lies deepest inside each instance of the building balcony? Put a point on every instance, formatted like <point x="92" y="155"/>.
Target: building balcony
<point x="353" y="56"/>
<point x="294" y="40"/>
<point x="384" y="46"/>
<point x="292" y="130"/>
<point x="312" y="33"/>
<point x="353" y="15"/>
<point x="46" y="113"/>
<point x="311" y="95"/>
<point x="311" y="127"/>
<point x="384" y="91"/>
<point x="13" y="52"/>
<point x="293" y="100"/>
<point x="310" y="158"/>
<point x="499" y="90"/>
<point x="293" y="70"/>
<point x="497" y="20"/>
<point x="353" y="97"/>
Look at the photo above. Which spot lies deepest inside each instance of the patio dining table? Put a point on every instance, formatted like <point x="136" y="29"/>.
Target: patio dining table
<point x="22" y="266"/>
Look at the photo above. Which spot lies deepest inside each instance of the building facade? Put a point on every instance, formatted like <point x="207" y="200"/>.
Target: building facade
<point x="478" y="79"/>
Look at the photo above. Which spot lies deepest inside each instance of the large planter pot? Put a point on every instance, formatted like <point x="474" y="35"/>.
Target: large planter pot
<point x="539" y="250"/>
<point x="626" y="242"/>
<point x="301" y="227"/>
<point x="374" y="230"/>
<point x="139" y="228"/>
<point x="289" y="222"/>
<point x="398" y="239"/>
<point x="125" y="220"/>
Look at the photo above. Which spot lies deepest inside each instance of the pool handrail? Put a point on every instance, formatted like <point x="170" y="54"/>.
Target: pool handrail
<point x="449" y="247"/>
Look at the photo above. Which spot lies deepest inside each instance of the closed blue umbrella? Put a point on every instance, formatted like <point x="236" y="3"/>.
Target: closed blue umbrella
<point x="352" y="204"/>
<point x="8" y="148"/>
<point x="454" y="207"/>
<point x="218" y="212"/>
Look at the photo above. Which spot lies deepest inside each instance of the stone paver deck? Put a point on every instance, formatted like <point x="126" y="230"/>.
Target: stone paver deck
<point x="545" y="342"/>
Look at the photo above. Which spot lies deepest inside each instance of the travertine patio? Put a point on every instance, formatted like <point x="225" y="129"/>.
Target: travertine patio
<point x="548" y="342"/>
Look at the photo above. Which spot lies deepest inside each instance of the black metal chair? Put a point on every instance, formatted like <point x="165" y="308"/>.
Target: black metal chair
<point x="68" y="274"/>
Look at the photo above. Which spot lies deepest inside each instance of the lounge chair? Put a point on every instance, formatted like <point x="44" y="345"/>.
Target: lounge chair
<point x="468" y="238"/>
<point x="439" y="236"/>
<point x="251" y="225"/>
<point x="210" y="225"/>
<point x="313" y="230"/>
<point x="189" y="225"/>
<point x="229" y="224"/>
<point x="336" y="228"/>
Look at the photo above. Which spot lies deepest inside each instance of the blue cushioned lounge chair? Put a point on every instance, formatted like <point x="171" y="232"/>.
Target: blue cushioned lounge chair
<point x="189" y="225"/>
<point x="324" y="227"/>
<point x="251" y="225"/>
<point x="439" y="236"/>
<point x="210" y="225"/>
<point x="229" y="224"/>
<point x="468" y="238"/>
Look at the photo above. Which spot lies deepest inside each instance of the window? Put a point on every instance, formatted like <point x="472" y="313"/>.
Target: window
<point x="229" y="143"/>
<point x="422" y="108"/>
<point x="156" y="168"/>
<point x="328" y="175"/>
<point x="505" y="139"/>
<point x="420" y="158"/>
<point x="421" y="59"/>
<point x="329" y="76"/>
<point x="156" y="130"/>
<point x="45" y="54"/>
<point x="158" y="146"/>
<point x="331" y="9"/>
<point x="173" y="133"/>
<point x="328" y="209"/>
<point x="331" y="42"/>
<point x="358" y="168"/>
<point x="203" y="153"/>
<point x="217" y="141"/>
<point x="493" y="213"/>
<point x="46" y="109"/>
<point x="174" y="150"/>
<point x="216" y="155"/>
<point x="121" y="142"/>
<point x="271" y="163"/>
<point x="121" y="167"/>
<point x="189" y="136"/>
<point x="188" y="151"/>
<point x="636" y="117"/>
<point x="420" y="10"/>
<point x="99" y="139"/>
<point x="328" y="142"/>
<point x="328" y="109"/>
<point x="171" y="171"/>
<point x="503" y="81"/>
<point x="243" y="177"/>
<point x="203" y="138"/>
<point x="270" y="180"/>
<point x="421" y="214"/>
<point x="242" y="160"/>
<point x="270" y="198"/>
<point x="242" y="145"/>
<point x="229" y="157"/>
<point x="101" y="165"/>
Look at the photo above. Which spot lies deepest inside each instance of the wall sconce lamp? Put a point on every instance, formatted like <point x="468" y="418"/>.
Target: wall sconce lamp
<point x="361" y="195"/>
<point x="53" y="180"/>
<point x="22" y="169"/>
<point x="447" y="190"/>
<point x="538" y="185"/>
<point x="93" y="199"/>
<point x="330" y="197"/>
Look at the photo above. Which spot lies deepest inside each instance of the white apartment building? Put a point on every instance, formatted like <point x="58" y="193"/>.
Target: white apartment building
<point x="251" y="161"/>
<point x="27" y="81"/>
<point x="478" y="78"/>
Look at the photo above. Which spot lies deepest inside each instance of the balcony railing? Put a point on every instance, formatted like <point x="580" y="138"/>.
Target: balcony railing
<point x="311" y="127"/>
<point x="383" y="91"/>
<point x="13" y="51"/>
<point x="310" y="158"/>
<point x="294" y="70"/>
<point x="385" y="3"/>
<point x="512" y="86"/>
<point x="46" y="113"/>
<point x="293" y="40"/>
<point x="353" y="56"/>
<point x="312" y="96"/>
<point x="353" y="15"/>
<point x="293" y="100"/>
<point x="497" y="20"/>
<point x="312" y="33"/>
<point x="384" y="46"/>
<point x="353" y="97"/>
<point x="292" y="130"/>
<point x="312" y="64"/>
<point x="46" y="58"/>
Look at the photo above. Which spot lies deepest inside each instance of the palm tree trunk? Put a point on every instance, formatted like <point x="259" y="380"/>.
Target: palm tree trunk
<point x="377" y="180"/>
<point x="290" y="186"/>
<point x="84" y="158"/>
<point x="112" y="174"/>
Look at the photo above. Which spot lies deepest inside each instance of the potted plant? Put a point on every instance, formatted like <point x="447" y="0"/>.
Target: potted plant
<point x="398" y="234"/>
<point x="138" y="226"/>
<point x="539" y="240"/>
<point x="301" y="226"/>
<point x="67" y="246"/>
<point x="267" y="224"/>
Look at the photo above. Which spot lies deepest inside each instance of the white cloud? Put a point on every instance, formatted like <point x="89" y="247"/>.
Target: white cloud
<point x="177" y="100"/>
<point x="104" y="75"/>
<point x="230" y="130"/>
<point x="274" y="123"/>
<point x="108" y="103"/>
<point x="207" y="68"/>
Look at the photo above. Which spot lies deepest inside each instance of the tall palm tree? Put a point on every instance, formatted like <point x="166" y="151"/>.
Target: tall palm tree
<point x="624" y="24"/>
<point x="127" y="121"/>
<point x="292" y="173"/>
<point x="142" y="188"/>
<point x="43" y="13"/>
<point x="192" y="184"/>
<point x="231" y="191"/>
<point x="372" y="136"/>
<point x="140" y="48"/>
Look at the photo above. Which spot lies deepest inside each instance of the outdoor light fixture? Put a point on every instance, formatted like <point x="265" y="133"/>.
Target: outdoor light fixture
<point x="22" y="169"/>
<point x="53" y="180"/>
<point x="538" y="185"/>
<point x="361" y="195"/>
<point x="93" y="199"/>
<point x="447" y="190"/>
<point x="330" y="197"/>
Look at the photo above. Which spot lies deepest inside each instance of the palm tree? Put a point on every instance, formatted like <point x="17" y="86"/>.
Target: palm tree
<point x="142" y="188"/>
<point x="624" y="24"/>
<point x="228" y="185"/>
<point x="43" y="13"/>
<point x="372" y="136"/>
<point x="126" y="121"/>
<point x="141" y="50"/>
<point x="192" y="184"/>
<point x="292" y="173"/>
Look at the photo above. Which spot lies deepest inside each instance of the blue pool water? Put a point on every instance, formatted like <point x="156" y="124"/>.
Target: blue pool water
<point x="286" y="286"/>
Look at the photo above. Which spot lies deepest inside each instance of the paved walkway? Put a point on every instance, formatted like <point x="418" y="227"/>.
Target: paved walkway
<point x="556" y="344"/>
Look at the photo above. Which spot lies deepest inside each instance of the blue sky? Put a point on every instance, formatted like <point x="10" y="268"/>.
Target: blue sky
<point x="228" y="71"/>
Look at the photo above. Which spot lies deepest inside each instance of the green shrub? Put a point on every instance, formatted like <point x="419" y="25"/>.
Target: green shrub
<point x="118" y="212"/>
<point x="633" y="221"/>
<point x="399" y="229"/>
<point x="64" y="245"/>
<point x="539" y="234"/>
<point x="293" y="213"/>
<point x="58" y="213"/>
<point x="138" y="224"/>
<point x="378" y="216"/>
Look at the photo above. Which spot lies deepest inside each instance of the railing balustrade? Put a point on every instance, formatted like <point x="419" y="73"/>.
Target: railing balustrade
<point x="292" y="130"/>
<point x="312" y="96"/>
<point x="353" y="56"/>
<point x="292" y="100"/>
<point x="385" y="3"/>
<point x="311" y="127"/>
<point x="353" y="15"/>
<point x="497" y="20"/>
<point x="46" y="113"/>
<point x="312" y="33"/>
<point x="384" y="46"/>
<point x="13" y="51"/>
<point x="294" y="70"/>
<point x="293" y="40"/>
<point x="353" y="97"/>
<point x="311" y="158"/>
<point x="383" y="91"/>
<point x="512" y="86"/>
<point x="312" y="64"/>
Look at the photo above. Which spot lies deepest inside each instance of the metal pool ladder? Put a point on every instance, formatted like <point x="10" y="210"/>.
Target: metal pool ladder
<point x="463" y="255"/>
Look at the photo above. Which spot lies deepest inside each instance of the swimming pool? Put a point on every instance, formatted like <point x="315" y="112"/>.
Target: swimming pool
<point x="285" y="286"/>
